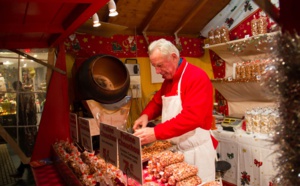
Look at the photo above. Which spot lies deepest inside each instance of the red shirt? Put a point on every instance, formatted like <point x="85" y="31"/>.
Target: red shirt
<point x="196" y="98"/>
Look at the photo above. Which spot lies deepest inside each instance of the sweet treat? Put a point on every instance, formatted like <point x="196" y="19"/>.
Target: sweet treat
<point x="155" y="148"/>
<point x="90" y="169"/>
<point x="169" y="171"/>
<point x="217" y="34"/>
<point x="212" y="183"/>
<point x="254" y="26"/>
<point x="159" y="161"/>
<point x="211" y="37"/>
<point x="262" y="25"/>
<point x="193" y="180"/>
<point x="224" y="34"/>
<point x="182" y="172"/>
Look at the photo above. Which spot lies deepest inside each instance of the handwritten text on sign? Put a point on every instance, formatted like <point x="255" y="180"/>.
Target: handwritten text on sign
<point x="129" y="148"/>
<point x="108" y="143"/>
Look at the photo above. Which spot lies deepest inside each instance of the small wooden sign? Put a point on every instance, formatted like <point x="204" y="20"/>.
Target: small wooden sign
<point x="108" y="143"/>
<point x="74" y="127"/>
<point x="86" y="132"/>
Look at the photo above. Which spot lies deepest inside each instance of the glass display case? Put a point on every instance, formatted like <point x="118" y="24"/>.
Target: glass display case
<point x="32" y="78"/>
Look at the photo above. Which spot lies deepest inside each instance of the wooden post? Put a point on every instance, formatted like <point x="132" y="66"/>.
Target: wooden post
<point x="14" y="145"/>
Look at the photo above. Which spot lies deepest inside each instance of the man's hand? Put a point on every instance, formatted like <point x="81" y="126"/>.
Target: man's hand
<point x="146" y="135"/>
<point x="141" y="122"/>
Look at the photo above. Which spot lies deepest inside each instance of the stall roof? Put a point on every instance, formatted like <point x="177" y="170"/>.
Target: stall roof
<point x="44" y="24"/>
<point x="40" y="23"/>
<point x="156" y="17"/>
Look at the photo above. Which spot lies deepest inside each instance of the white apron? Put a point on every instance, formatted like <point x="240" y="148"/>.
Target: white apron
<point x="196" y="145"/>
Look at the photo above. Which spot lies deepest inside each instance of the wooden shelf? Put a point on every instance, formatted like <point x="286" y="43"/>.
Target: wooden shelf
<point x="255" y="45"/>
<point x="247" y="49"/>
<point x="243" y="95"/>
<point x="251" y="91"/>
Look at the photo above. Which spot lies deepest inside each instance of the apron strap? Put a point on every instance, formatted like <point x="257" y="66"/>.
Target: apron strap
<point x="179" y="83"/>
<point x="214" y="140"/>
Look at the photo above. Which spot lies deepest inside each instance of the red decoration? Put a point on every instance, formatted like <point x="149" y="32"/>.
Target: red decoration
<point x="218" y="65"/>
<point x="257" y="163"/>
<point x="245" y="178"/>
<point x="244" y="27"/>
<point x="27" y="50"/>
<point x="54" y="124"/>
<point x="124" y="46"/>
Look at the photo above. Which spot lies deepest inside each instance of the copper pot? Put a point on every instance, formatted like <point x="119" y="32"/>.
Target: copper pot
<point x="103" y="78"/>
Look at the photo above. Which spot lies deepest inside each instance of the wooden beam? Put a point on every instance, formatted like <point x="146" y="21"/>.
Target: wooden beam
<point x="14" y="145"/>
<point x="51" y="61"/>
<point x="190" y="15"/>
<point x="38" y="61"/>
<point x="147" y="21"/>
<point x="73" y="23"/>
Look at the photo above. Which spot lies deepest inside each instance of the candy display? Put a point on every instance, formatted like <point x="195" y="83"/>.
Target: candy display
<point x="217" y="35"/>
<point x="211" y="37"/>
<point x="224" y="34"/>
<point x="169" y="168"/>
<point x="262" y="25"/>
<point x="89" y="168"/>
<point x="254" y="27"/>
<point x="262" y="120"/>
<point x="192" y="180"/>
<point x="259" y="25"/>
<point x="250" y="70"/>
<point x="166" y="158"/>
<point x="156" y="147"/>
<point x="159" y="161"/>
<point x="168" y="171"/>
<point x="182" y="172"/>
<point x="163" y="168"/>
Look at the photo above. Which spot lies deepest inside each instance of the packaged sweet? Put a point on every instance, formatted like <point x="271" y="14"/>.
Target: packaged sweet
<point x="211" y="37"/>
<point x="217" y="35"/>
<point x="254" y="26"/>
<point x="224" y="34"/>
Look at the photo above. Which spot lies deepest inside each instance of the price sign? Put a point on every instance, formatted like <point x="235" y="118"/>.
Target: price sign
<point x="130" y="160"/>
<point x="108" y="143"/>
<point x="85" y="132"/>
<point x="73" y="127"/>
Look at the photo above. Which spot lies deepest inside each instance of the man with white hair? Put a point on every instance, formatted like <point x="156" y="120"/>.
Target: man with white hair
<point x="185" y="102"/>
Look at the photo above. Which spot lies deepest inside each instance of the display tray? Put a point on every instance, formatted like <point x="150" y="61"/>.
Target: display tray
<point x="155" y="148"/>
<point x="64" y="171"/>
<point x="71" y="179"/>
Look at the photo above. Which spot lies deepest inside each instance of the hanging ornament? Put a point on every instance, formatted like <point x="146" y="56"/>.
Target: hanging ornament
<point x="283" y="78"/>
